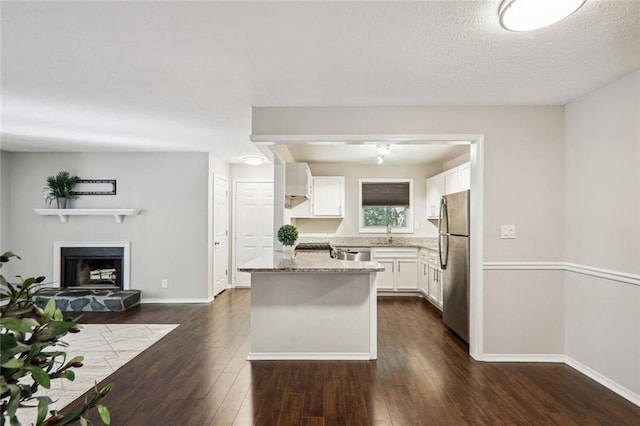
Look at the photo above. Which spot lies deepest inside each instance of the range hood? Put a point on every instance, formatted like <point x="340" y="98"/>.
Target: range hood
<point x="297" y="184"/>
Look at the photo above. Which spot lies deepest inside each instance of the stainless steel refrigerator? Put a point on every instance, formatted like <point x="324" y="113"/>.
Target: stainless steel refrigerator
<point x="453" y="244"/>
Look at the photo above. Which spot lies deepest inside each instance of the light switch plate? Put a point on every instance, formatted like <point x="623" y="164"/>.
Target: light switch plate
<point x="507" y="231"/>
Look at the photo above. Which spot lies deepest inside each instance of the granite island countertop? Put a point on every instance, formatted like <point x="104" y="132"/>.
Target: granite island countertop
<point x="277" y="261"/>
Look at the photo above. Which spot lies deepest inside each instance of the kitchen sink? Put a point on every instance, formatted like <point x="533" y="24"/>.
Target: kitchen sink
<point x="355" y="254"/>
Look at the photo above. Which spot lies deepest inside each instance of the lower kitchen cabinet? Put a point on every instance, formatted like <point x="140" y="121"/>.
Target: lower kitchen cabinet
<point x="386" y="280"/>
<point x="401" y="268"/>
<point x="435" y="274"/>
<point x="423" y="272"/>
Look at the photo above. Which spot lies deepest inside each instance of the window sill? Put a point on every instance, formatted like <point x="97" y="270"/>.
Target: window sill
<point x="384" y="231"/>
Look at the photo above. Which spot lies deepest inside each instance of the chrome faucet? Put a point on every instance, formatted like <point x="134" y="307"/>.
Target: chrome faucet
<point x="389" y="237"/>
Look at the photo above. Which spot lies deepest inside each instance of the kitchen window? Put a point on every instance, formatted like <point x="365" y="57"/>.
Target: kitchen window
<point x="385" y="204"/>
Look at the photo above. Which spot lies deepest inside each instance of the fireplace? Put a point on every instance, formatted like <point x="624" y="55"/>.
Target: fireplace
<point x="91" y="265"/>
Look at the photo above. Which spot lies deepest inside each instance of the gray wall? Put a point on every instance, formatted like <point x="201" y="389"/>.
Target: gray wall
<point x="524" y="185"/>
<point x="603" y="230"/>
<point x="4" y="201"/>
<point x="168" y="239"/>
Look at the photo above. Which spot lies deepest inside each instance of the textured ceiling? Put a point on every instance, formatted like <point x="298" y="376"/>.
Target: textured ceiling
<point x="182" y="76"/>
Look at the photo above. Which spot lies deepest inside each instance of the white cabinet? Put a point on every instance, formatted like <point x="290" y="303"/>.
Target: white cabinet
<point x="453" y="180"/>
<point x="401" y="268"/>
<point x="327" y="199"/>
<point x="434" y="291"/>
<point x="385" y="280"/>
<point x="423" y="272"/>
<point x="328" y="196"/>
<point x="435" y="191"/>
<point x="464" y="177"/>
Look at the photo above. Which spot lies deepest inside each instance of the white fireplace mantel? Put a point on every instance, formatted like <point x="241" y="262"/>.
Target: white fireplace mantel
<point x="63" y="214"/>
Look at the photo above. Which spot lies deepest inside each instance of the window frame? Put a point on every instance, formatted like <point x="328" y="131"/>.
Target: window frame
<point x="408" y="229"/>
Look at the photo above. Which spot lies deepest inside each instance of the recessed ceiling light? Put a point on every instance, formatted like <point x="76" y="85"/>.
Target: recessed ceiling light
<point x="527" y="15"/>
<point x="253" y="160"/>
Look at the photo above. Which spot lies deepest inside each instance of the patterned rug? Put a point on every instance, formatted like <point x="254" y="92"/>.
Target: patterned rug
<point x="106" y="348"/>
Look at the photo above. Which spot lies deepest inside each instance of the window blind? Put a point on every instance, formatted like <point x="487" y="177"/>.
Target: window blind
<point x="375" y="194"/>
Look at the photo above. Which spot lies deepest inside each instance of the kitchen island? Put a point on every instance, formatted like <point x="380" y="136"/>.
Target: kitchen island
<point x="312" y="307"/>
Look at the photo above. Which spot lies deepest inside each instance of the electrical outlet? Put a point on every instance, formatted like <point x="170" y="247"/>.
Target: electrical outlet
<point x="507" y="231"/>
<point x="164" y="283"/>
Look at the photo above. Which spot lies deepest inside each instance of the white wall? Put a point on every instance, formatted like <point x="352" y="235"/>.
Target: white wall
<point x="348" y="227"/>
<point x="4" y="201"/>
<point x="603" y="230"/>
<point x="524" y="185"/>
<point x="168" y="239"/>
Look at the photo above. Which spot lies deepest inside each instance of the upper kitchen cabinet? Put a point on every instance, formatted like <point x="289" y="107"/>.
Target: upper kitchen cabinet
<point x="453" y="180"/>
<point x="435" y="191"/>
<point x="297" y="184"/>
<point x="328" y="198"/>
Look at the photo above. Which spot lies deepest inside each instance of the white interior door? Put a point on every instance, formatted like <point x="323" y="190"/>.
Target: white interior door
<point x="220" y="234"/>
<point x="253" y="225"/>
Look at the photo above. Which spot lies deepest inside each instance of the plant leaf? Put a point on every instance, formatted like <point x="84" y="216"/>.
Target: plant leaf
<point x="104" y="414"/>
<point x="43" y="406"/>
<point x="74" y="359"/>
<point x="40" y="376"/>
<point x="14" y="400"/>
<point x="13" y="363"/>
<point x="70" y="375"/>
<point x="49" y="310"/>
<point x="23" y="325"/>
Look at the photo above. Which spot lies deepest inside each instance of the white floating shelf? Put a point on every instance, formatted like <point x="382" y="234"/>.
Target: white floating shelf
<point x="63" y="214"/>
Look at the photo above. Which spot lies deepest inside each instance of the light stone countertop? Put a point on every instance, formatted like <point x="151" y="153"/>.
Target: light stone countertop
<point x="276" y="261"/>
<point x="375" y="241"/>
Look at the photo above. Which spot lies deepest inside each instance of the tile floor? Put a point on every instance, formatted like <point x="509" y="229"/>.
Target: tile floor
<point x="105" y="347"/>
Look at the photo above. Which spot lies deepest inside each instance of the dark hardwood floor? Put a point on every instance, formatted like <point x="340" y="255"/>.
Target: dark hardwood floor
<point x="198" y="375"/>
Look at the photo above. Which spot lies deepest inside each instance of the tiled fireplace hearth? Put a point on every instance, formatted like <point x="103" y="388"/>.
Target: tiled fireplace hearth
<point x="91" y="276"/>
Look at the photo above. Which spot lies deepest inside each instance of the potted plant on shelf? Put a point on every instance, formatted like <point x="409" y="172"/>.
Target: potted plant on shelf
<point x="60" y="188"/>
<point x="287" y="235"/>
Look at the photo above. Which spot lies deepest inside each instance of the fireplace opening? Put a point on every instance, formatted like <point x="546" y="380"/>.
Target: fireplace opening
<point x="91" y="267"/>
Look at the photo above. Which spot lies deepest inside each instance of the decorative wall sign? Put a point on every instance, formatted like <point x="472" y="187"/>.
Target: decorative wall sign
<point x="96" y="187"/>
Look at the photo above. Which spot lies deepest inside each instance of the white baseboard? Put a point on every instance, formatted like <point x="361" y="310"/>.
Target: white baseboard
<point x="304" y="356"/>
<point x="556" y="358"/>
<point x="604" y="381"/>
<point x="177" y="301"/>
<point x="398" y="293"/>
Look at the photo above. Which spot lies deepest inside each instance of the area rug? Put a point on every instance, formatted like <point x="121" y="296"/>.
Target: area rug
<point x="106" y="348"/>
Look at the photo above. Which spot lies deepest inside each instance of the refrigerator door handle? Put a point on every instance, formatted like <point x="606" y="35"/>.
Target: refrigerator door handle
<point x="443" y="218"/>
<point x="443" y="250"/>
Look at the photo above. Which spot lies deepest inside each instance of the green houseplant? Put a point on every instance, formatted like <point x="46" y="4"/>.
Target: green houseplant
<point x="60" y="188"/>
<point x="287" y="235"/>
<point x="32" y="354"/>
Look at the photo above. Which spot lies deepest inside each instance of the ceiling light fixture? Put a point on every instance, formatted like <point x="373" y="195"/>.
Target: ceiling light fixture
<point x="528" y="15"/>
<point x="382" y="149"/>
<point x="253" y="160"/>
